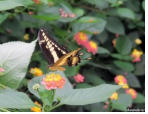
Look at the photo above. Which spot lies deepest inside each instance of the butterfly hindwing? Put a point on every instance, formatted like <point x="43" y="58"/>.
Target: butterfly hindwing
<point x="51" y="49"/>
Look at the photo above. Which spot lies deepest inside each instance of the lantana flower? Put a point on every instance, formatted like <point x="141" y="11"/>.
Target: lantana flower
<point x="132" y="92"/>
<point x="121" y="80"/>
<point x="114" y="96"/>
<point x="138" y="41"/>
<point x="92" y="47"/>
<point x="79" y="78"/>
<point x="81" y="38"/>
<point x="136" y="54"/>
<point x="53" y="81"/>
<point x="36" y="108"/>
<point x="36" y="71"/>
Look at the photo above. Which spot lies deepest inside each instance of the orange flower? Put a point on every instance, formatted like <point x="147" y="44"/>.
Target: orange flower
<point x="81" y="38"/>
<point x="121" y="80"/>
<point x="114" y="42"/>
<point x="132" y="92"/>
<point x="53" y="81"/>
<point x="136" y="55"/>
<point x="114" y="96"/>
<point x="79" y="78"/>
<point x="36" y="71"/>
<point x="36" y="108"/>
<point x="92" y="47"/>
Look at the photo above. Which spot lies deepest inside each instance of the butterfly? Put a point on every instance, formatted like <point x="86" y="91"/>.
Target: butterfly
<point x="57" y="55"/>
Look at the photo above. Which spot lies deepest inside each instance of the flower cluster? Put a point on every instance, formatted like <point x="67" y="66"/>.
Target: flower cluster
<point x="136" y="55"/>
<point x="66" y="15"/>
<point x="121" y="80"/>
<point x="138" y="41"/>
<point x="79" y="78"/>
<point x="36" y="71"/>
<point x="53" y="81"/>
<point x="132" y="92"/>
<point x="82" y="39"/>
<point x="36" y="108"/>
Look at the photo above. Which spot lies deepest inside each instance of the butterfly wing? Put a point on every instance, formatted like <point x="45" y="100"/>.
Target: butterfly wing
<point x="50" y="48"/>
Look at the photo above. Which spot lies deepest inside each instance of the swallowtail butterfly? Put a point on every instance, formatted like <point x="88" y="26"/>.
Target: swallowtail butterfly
<point x="57" y="55"/>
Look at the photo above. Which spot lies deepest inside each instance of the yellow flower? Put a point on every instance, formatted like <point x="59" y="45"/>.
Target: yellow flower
<point x="136" y="53"/>
<point x="124" y="85"/>
<point x="36" y="71"/>
<point x="114" y="96"/>
<point x="26" y="37"/>
<point x="138" y="41"/>
<point x="36" y="108"/>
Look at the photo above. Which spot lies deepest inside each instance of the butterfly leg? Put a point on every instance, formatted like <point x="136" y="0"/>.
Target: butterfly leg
<point x="41" y="42"/>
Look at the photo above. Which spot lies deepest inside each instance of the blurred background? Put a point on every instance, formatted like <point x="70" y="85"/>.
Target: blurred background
<point x="111" y="32"/>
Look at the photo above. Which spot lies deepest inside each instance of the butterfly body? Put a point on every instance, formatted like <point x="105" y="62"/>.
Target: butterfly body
<point x="56" y="54"/>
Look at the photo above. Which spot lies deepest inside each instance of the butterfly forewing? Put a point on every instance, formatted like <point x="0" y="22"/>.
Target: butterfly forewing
<point x="51" y="49"/>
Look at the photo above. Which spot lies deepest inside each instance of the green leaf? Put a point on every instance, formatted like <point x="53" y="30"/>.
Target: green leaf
<point x="140" y="67"/>
<point x="14" y="58"/>
<point x="126" y="66"/>
<point x="126" y="12"/>
<point x="122" y="57"/>
<point x="92" y="77"/>
<point x="90" y="24"/>
<point x="98" y="3"/>
<point x="133" y="81"/>
<point x="83" y="85"/>
<point x="89" y="95"/>
<point x="47" y="17"/>
<point x="12" y="99"/>
<point x="143" y="4"/>
<point x="71" y="71"/>
<point x="3" y="17"/>
<point x="139" y="98"/>
<point x="70" y="96"/>
<point x="122" y="103"/>
<point x="102" y="50"/>
<point x="46" y="96"/>
<point x="114" y="25"/>
<point x="10" y="4"/>
<point x="124" y="45"/>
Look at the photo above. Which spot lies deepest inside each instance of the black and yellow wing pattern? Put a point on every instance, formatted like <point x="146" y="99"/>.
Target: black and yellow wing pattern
<point x="57" y="55"/>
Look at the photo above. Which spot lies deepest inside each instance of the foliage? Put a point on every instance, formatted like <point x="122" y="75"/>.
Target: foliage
<point x="114" y="25"/>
